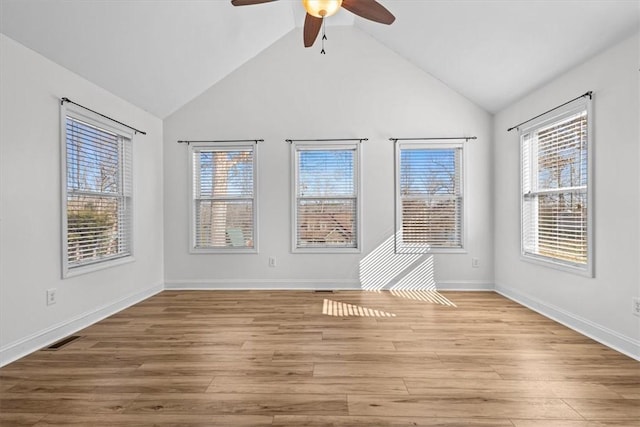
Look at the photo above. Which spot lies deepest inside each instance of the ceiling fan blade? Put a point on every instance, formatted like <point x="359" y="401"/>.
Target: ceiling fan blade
<point x="369" y="9"/>
<point x="248" y="2"/>
<point x="311" y="29"/>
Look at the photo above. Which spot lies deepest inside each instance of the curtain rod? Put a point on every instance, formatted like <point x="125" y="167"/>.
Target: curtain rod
<point x="223" y="140"/>
<point x="290" y="141"/>
<point x="589" y="94"/>
<point x="466" y="138"/>
<point x="63" y="100"/>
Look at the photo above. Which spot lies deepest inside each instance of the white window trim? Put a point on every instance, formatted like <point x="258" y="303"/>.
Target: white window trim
<point x="303" y="145"/>
<point x="435" y="144"/>
<point x="193" y="147"/>
<point x="93" y="119"/>
<point x="586" y="270"/>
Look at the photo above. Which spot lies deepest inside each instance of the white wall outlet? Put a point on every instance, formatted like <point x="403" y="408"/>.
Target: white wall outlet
<point x="636" y="306"/>
<point x="272" y="261"/>
<point x="51" y="296"/>
<point x="475" y="262"/>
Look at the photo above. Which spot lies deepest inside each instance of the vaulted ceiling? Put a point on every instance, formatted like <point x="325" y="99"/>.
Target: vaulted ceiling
<point x="160" y="54"/>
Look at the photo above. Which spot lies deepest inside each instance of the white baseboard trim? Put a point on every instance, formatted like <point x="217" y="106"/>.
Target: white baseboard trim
<point x="264" y="285"/>
<point x="305" y="284"/>
<point x="465" y="285"/>
<point x="48" y="336"/>
<point x="612" y="339"/>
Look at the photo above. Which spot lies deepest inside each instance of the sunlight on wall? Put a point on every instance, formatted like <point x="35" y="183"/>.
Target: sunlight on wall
<point x="408" y="276"/>
<point x="340" y="309"/>
<point x="379" y="268"/>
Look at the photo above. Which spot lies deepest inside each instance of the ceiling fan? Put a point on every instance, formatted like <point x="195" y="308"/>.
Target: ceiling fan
<point x="317" y="10"/>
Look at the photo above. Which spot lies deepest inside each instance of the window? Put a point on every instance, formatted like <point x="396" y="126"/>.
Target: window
<point x="327" y="206"/>
<point x="97" y="190"/>
<point x="429" y="197"/>
<point x="223" y="192"/>
<point x="556" y="222"/>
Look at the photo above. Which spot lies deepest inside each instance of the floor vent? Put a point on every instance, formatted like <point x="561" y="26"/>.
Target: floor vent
<point x="323" y="291"/>
<point x="63" y="342"/>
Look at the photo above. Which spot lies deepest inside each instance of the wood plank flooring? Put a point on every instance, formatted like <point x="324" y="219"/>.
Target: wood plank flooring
<point x="252" y="358"/>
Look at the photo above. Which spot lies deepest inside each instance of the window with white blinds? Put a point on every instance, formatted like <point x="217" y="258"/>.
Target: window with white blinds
<point x="97" y="194"/>
<point x="555" y="189"/>
<point x="429" y="197"/>
<point x="224" y="198"/>
<point x="326" y="211"/>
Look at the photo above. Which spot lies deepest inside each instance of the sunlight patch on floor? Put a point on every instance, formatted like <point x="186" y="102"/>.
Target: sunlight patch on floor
<point x="341" y="309"/>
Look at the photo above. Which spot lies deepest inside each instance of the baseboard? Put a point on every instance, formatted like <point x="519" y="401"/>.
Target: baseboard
<point x="612" y="339"/>
<point x="40" y="339"/>
<point x="465" y="285"/>
<point x="265" y="285"/>
<point x="305" y="284"/>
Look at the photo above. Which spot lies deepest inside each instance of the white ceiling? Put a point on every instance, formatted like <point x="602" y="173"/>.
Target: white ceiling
<point x="160" y="54"/>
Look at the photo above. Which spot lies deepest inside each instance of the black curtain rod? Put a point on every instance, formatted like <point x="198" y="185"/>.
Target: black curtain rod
<point x="63" y="100"/>
<point x="223" y="140"/>
<point x="466" y="138"/>
<point x="325" y="140"/>
<point x="589" y="94"/>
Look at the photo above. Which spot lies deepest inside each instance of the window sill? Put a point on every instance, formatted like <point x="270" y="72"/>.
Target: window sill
<point x="586" y="271"/>
<point x="336" y="251"/>
<point x="90" y="268"/>
<point x="222" y="251"/>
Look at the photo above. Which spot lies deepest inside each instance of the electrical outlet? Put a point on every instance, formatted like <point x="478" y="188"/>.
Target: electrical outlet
<point x="272" y="261"/>
<point x="51" y="296"/>
<point x="636" y="306"/>
<point x="475" y="262"/>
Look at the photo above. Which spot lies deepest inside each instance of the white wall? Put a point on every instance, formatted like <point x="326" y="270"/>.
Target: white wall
<point x="600" y="307"/>
<point x="30" y="220"/>
<point x="291" y="92"/>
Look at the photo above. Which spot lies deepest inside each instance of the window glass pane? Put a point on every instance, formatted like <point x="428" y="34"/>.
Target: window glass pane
<point x="223" y="198"/>
<point x="562" y="153"/>
<point x="326" y="173"/>
<point x="428" y="172"/>
<point x="430" y="198"/>
<point x="326" y="214"/>
<point x="326" y="223"/>
<point x="98" y="198"/>
<point x="226" y="173"/>
<point x="555" y="218"/>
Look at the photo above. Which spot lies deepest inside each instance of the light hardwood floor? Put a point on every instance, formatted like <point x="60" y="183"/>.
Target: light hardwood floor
<point x="249" y="358"/>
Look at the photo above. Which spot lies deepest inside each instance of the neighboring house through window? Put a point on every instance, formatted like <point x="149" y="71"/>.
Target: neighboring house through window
<point x="97" y="192"/>
<point x="224" y="188"/>
<point x="326" y="192"/>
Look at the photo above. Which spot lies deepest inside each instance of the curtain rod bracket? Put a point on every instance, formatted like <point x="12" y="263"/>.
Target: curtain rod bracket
<point x="135" y="131"/>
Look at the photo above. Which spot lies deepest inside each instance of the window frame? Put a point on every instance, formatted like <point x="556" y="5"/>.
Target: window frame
<point x="435" y="144"/>
<point x="296" y="147"/>
<point x="213" y="147"/>
<point x="557" y="115"/>
<point x="125" y="137"/>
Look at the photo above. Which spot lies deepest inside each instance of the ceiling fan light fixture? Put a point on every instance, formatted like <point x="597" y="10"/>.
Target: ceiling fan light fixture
<point x="321" y="8"/>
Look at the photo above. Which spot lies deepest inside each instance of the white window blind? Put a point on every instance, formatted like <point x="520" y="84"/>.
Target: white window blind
<point x="326" y="197"/>
<point x="97" y="191"/>
<point x="555" y="188"/>
<point x="224" y="203"/>
<point x="429" y="197"/>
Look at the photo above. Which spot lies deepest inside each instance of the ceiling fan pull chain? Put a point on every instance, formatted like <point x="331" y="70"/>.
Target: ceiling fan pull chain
<point x="324" y="37"/>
